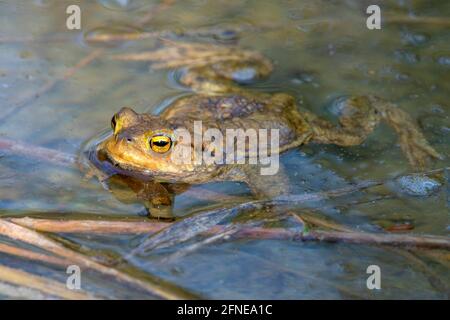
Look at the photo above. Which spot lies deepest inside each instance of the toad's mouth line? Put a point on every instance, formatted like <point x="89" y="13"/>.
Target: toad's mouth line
<point x="123" y="167"/>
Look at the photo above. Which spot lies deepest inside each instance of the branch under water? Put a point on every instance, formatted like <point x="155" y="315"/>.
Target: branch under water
<point x="139" y="227"/>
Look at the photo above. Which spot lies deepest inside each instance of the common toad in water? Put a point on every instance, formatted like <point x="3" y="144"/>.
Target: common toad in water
<point x="141" y="144"/>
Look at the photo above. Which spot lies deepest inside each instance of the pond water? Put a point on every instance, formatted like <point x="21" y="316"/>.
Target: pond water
<point x="321" y="50"/>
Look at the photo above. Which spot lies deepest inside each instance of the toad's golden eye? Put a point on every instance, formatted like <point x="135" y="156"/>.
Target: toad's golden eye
<point x="160" y="144"/>
<point x="115" y="124"/>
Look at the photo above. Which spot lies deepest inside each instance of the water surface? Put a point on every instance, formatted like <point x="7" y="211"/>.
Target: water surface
<point x="321" y="50"/>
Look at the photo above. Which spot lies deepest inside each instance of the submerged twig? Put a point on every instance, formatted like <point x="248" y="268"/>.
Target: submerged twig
<point x="29" y="236"/>
<point x="226" y="232"/>
<point x="317" y="221"/>
<point x="90" y="226"/>
<point x="214" y="234"/>
<point x="414" y="241"/>
<point x="192" y="226"/>
<point x="17" y="292"/>
<point x="27" y="254"/>
<point x="36" y="152"/>
<point x="48" y="286"/>
<point x="337" y="234"/>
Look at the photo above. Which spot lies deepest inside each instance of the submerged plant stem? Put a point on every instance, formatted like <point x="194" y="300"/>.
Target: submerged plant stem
<point x="48" y="286"/>
<point x="159" y="288"/>
<point x="27" y="254"/>
<point x="35" y="152"/>
<point x="345" y="235"/>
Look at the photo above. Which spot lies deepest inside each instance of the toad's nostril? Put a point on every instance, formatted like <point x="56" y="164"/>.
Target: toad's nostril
<point x="124" y="136"/>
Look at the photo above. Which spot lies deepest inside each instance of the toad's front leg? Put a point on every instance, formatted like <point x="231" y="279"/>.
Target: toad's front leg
<point x="359" y="116"/>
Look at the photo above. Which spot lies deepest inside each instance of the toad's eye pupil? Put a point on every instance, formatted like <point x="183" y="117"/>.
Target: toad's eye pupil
<point x="160" y="143"/>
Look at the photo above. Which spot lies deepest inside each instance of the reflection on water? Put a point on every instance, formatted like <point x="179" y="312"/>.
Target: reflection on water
<point x="321" y="50"/>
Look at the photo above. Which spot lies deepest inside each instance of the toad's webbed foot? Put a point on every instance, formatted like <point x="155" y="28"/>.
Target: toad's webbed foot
<point x="206" y="67"/>
<point x="359" y="116"/>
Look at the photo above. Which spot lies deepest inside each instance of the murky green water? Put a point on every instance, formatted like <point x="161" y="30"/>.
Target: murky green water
<point x="321" y="50"/>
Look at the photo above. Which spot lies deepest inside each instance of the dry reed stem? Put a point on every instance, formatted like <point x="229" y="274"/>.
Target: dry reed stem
<point x="90" y="226"/>
<point x="17" y="232"/>
<point x="27" y="254"/>
<point x="35" y="152"/>
<point x="345" y="235"/>
<point x="51" y="287"/>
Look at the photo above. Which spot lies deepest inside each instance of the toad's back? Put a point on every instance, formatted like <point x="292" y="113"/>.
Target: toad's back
<point x="240" y="111"/>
